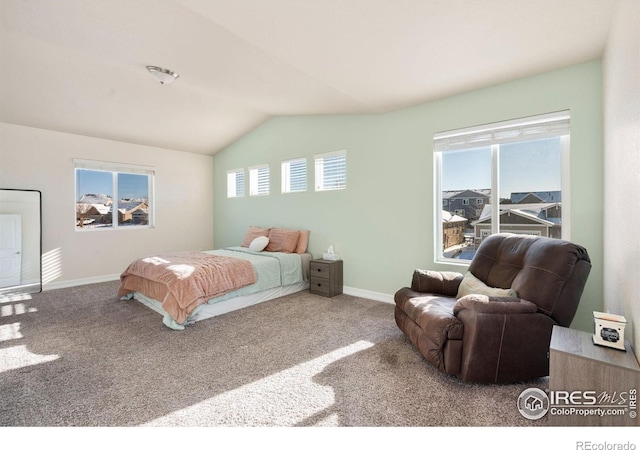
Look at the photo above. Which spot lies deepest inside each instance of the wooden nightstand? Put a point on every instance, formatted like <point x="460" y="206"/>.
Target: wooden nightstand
<point x="578" y="366"/>
<point x="325" y="277"/>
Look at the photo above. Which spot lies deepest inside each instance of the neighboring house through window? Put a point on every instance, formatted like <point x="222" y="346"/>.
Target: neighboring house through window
<point x="518" y="165"/>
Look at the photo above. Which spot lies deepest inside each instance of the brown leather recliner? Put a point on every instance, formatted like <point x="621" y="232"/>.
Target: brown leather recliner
<point x="489" y="339"/>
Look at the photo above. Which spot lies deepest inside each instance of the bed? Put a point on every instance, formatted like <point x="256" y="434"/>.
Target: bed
<point x="186" y="287"/>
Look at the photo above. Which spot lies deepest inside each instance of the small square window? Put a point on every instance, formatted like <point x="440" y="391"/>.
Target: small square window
<point x="259" y="180"/>
<point x="294" y="175"/>
<point x="235" y="183"/>
<point x="331" y="171"/>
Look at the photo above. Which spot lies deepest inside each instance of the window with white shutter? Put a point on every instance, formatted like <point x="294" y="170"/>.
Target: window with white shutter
<point x="259" y="180"/>
<point x="294" y="175"/>
<point x="331" y="171"/>
<point x="235" y="183"/>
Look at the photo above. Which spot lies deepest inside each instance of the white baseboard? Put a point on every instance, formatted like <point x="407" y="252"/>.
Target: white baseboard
<point x="79" y="282"/>
<point x="371" y="295"/>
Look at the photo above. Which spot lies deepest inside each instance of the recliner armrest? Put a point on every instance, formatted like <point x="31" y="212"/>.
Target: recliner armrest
<point x="497" y="331"/>
<point x="493" y="305"/>
<point x="441" y="283"/>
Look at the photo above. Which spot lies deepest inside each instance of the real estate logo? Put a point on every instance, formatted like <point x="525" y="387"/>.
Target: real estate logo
<point x="533" y="403"/>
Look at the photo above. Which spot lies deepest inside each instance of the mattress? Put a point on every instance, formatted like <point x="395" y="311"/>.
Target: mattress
<point x="277" y="274"/>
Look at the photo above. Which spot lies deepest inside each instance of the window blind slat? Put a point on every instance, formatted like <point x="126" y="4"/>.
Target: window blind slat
<point x="533" y="128"/>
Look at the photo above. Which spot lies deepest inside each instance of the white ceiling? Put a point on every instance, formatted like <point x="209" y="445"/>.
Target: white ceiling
<point x="78" y="66"/>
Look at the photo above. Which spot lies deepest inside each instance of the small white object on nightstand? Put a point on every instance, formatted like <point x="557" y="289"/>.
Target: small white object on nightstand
<point x="609" y="330"/>
<point x="330" y="255"/>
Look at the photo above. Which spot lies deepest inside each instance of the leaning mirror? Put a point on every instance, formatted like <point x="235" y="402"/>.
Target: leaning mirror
<point x="20" y="241"/>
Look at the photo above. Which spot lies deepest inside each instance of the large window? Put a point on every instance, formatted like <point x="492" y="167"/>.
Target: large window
<point x="112" y="195"/>
<point x="502" y="177"/>
<point x="259" y="180"/>
<point x="331" y="171"/>
<point x="294" y="175"/>
<point x="235" y="183"/>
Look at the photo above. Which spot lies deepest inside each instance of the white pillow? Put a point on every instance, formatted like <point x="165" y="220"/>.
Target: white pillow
<point x="259" y="244"/>
<point x="471" y="285"/>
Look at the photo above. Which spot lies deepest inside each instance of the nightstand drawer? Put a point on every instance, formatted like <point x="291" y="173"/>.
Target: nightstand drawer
<point x="320" y="285"/>
<point x="319" y="270"/>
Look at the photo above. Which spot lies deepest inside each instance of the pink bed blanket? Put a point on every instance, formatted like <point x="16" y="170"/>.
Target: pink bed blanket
<point x="182" y="281"/>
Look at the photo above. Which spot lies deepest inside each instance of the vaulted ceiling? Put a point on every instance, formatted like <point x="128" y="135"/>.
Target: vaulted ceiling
<point x="79" y="66"/>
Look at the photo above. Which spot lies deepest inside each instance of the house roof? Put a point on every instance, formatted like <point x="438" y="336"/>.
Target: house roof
<point x="543" y="196"/>
<point x="95" y="198"/>
<point x="243" y="62"/>
<point x="466" y="193"/>
<point x="99" y="207"/>
<point x="448" y="217"/>
<point x="125" y="207"/>
<point x="530" y="211"/>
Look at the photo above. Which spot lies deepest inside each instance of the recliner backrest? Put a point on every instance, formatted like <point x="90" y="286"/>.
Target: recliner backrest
<point x="548" y="272"/>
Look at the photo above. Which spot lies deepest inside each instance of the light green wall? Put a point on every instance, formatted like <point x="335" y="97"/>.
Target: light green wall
<point x="382" y="224"/>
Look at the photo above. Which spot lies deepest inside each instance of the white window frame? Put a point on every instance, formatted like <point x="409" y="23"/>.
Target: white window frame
<point x="258" y="187"/>
<point x="287" y="176"/>
<point x="116" y="168"/>
<point x="320" y="183"/>
<point x="517" y="130"/>
<point x="235" y="189"/>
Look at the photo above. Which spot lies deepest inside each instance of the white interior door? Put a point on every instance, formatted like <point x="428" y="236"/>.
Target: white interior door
<point x="10" y="249"/>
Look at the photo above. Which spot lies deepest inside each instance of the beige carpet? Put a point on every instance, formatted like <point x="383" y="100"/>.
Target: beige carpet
<point x="81" y="357"/>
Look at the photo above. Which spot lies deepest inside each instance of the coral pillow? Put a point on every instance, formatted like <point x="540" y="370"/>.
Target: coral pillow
<point x="303" y="242"/>
<point x="252" y="233"/>
<point x="282" y="240"/>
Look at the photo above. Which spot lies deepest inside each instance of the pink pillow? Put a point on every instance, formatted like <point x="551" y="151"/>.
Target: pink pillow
<point x="303" y="242"/>
<point x="252" y="233"/>
<point x="282" y="240"/>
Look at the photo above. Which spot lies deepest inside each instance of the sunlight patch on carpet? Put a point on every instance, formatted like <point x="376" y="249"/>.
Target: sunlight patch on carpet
<point x="286" y="398"/>
<point x="13" y="305"/>
<point x="10" y="331"/>
<point x="12" y="358"/>
<point x="11" y="298"/>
